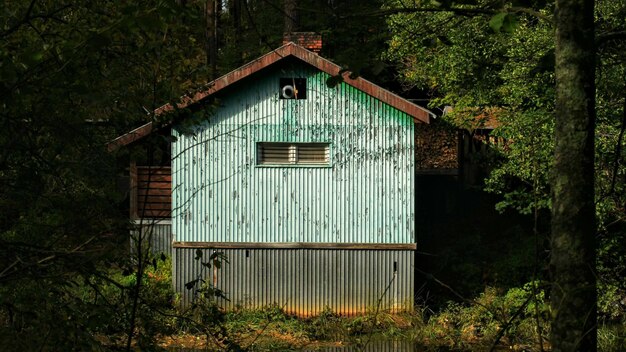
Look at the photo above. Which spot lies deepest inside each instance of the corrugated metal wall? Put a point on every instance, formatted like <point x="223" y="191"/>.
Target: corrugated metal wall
<point x="365" y="196"/>
<point x="304" y="281"/>
<point x="376" y="345"/>
<point x="157" y="233"/>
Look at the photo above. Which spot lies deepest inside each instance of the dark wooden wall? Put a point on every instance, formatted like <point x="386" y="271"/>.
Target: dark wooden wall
<point x="151" y="191"/>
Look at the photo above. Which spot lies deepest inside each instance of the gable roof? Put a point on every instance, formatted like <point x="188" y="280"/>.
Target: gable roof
<point x="419" y="114"/>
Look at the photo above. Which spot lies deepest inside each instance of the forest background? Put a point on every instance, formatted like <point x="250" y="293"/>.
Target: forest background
<point x="76" y="74"/>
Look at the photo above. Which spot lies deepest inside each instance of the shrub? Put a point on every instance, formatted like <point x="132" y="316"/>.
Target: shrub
<point x="459" y="326"/>
<point x="326" y="326"/>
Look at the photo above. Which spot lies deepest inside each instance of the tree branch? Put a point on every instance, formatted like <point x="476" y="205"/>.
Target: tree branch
<point x="603" y="38"/>
<point x="475" y="11"/>
<point x="25" y="20"/>
<point x="11" y="269"/>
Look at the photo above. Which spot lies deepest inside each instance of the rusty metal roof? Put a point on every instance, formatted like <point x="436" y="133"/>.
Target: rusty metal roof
<point x="419" y="114"/>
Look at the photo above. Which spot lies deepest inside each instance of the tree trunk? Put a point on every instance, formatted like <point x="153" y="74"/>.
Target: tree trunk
<point x="211" y="12"/>
<point x="291" y="16"/>
<point x="234" y="10"/>
<point x="574" y="297"/>
<point x="235" y="15"/>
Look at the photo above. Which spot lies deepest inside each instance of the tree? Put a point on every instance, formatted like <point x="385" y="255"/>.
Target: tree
<point x="512" y="67"/>
<point x="212" y="14"/>
<point x="291" y="16"/>
<point x="74" y="76"/>
<point x="573" y="256"/>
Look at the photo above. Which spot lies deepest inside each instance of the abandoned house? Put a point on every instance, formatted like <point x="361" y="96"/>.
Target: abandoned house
<point x="307" y="189"/>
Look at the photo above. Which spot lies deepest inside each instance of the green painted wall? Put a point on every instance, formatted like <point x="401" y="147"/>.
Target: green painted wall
<point x="220" y="194"/>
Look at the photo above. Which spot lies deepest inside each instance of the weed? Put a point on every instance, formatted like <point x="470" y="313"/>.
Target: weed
<point x="326" y="326"/>
<point x="482" y="323"/>
<point x="612" y="338"/>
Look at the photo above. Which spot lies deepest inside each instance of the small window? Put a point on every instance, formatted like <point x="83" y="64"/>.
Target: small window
<point x="314" y="154"/>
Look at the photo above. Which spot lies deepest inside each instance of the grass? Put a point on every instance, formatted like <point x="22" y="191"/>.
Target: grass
<point x="507" y="316"/>
<point x="612" y="338"/>
<point x="507" y="319"/>
<point x="458" y="327"/>
<point x="270" y="328"/>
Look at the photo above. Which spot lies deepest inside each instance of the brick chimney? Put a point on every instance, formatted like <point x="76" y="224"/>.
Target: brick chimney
<point x="308" y="40"/>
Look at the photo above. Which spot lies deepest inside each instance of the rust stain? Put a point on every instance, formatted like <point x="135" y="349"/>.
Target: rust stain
<point x="419" y="114"/>
<point x="343" y="311"/>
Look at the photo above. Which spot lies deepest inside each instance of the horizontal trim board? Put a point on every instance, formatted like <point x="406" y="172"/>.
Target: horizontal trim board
<point x="295" y="245"/>
<point x="148" y="221"/>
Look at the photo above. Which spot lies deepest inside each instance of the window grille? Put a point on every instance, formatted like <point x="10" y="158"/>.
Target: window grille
<point x="314" y="154"/>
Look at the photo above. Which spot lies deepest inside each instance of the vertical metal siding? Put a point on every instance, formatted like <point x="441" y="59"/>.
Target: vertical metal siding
<point x="157" y="233"/>
<point x="304" y="281"/>
<point x="375" y="345"/>
<point x="366" y="196"/>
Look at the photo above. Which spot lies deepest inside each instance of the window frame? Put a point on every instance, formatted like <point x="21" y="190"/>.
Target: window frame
<point x="295" y="163"/>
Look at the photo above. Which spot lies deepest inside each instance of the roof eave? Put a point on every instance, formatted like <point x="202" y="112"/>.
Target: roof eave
<point x="130" y="137"/>
<point x="419" y="114"/>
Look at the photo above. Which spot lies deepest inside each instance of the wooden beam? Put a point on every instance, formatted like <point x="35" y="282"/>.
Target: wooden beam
<point x="296" y="245"/>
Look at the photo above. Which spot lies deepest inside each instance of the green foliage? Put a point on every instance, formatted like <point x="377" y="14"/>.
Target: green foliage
<point x="611" y="338"/>
<point x="157" y="297"/>
<point x="440" y="62"/>
<point x="250" y="322"/>
<point x="269" y="327"/>
<point x="475" y="70"/>
<point x="522" y="179"/>
<point x="206" y="290"/>
<point x="478" y="324"/>
<point x="611" y="285"/>
<point x="74" y="75"/>
<point x="326" y="326"/>
<point x="75" y="314"/>
<point x="503" y="22"/>
<point x="472" y="68"/>
<point x="504" y="64"/>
